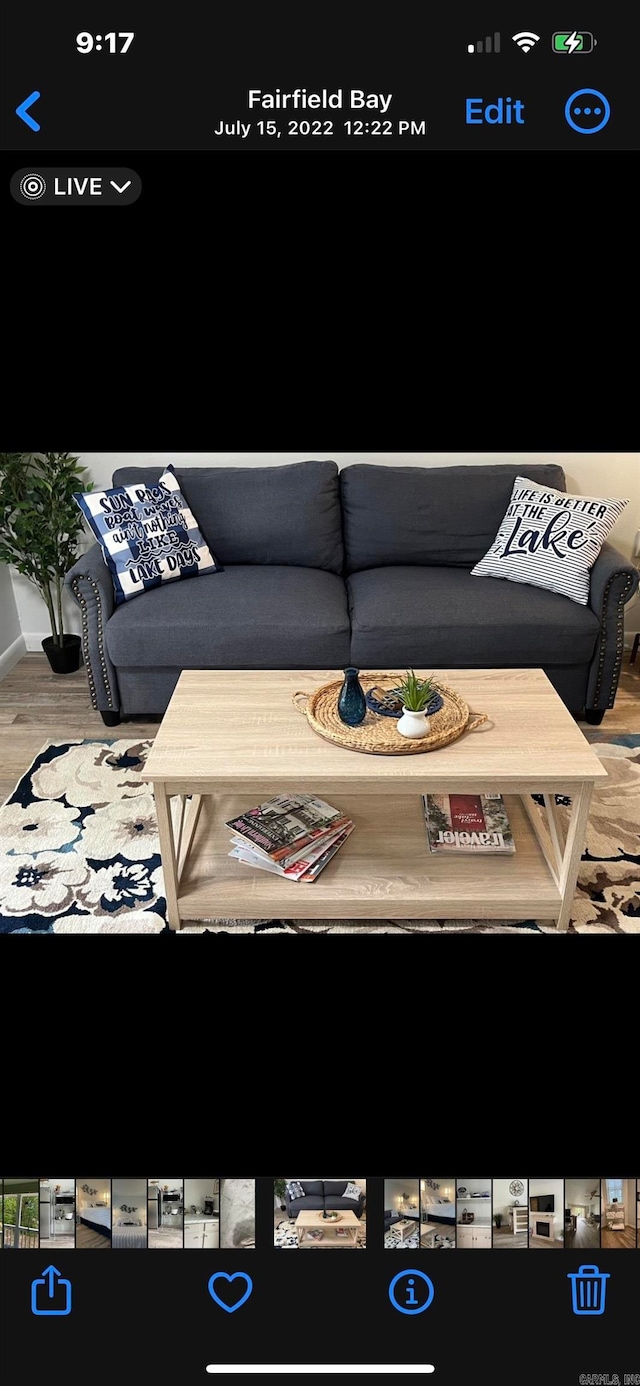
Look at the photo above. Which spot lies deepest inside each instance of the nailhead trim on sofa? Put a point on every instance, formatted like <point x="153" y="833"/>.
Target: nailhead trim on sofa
<point x="85" y="638"/>
<point x="615" y="674"/>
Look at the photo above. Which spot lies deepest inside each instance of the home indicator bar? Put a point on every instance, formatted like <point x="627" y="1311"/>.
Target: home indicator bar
<point x="326" y="1369"/>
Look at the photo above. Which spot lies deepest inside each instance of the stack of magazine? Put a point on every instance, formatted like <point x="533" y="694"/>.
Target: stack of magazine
<point x="293" y="835"/>
<point x="467" y="823"/>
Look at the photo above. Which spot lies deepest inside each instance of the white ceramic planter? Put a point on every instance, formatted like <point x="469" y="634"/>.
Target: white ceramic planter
<point x="413" y="723"/>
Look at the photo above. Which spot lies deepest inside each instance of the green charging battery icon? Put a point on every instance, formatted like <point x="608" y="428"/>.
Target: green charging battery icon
<point x="577" y="41"/>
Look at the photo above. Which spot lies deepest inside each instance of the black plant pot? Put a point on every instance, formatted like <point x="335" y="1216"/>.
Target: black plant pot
<point x="65" y="658"/>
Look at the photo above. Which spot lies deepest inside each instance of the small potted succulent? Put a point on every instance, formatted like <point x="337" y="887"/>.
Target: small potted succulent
<point x="415" y="695"/>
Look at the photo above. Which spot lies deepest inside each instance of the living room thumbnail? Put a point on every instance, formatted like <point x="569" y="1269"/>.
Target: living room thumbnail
<point x="328" y="1214"/>
<point x="419" y="1214"/>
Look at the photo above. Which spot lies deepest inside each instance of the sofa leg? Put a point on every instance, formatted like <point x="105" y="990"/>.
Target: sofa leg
<point x="594" y="716"/>
<point x="110" y="719"/>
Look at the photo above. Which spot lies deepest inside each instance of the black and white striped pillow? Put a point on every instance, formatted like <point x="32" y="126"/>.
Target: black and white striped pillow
<point x="550" y="539"/>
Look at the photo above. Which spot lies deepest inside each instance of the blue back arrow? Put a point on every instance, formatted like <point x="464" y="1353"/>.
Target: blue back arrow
<point x="22" y="111"/>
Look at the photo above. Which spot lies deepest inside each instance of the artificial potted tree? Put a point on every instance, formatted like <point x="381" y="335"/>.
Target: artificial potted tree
<point x="39" y="529"/>
<point x="279" y="1189"/>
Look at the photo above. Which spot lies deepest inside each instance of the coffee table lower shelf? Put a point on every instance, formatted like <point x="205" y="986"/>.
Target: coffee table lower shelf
<point x="384" y="870"/>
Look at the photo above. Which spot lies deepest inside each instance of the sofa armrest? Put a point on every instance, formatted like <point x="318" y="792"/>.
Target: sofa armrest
<point x="613" y="582"/>
<point x="89" y="582"/>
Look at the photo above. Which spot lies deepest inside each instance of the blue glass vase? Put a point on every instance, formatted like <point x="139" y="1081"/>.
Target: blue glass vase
<point x="351" y="700"/>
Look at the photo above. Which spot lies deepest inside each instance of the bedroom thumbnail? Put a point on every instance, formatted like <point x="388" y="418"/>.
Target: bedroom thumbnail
<point x="129" y="1223"/>
<point x="93" y="1214"/>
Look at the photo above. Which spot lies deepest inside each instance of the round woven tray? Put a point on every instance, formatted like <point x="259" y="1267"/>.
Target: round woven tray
<point x="377" y="735"/>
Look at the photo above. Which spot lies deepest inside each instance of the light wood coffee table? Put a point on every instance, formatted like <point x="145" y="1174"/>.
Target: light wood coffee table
<point x="405" y="1227"/>
<point x="428" y="1233"/>
<point x="311" y="1218"/>
<point x="232" y="739"/>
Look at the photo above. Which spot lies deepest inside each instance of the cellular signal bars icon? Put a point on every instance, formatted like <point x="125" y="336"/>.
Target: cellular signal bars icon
<point x="488" y="45"/>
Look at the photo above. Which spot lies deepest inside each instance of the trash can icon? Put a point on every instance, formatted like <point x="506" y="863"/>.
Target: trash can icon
<point x="588" y="1288"/>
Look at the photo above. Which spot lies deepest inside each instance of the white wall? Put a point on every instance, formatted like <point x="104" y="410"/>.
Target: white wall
<point x="196" y="1190"/>
<point x="66" y="1185"/>
<point x="503" y="1200"/>
<point x="133" y="1192"/>
<point x="394" y="1189"/>
<point x="12" y="645"/>
<point x="537" y="1187"/>
<point x="480" y="1207"/>
<point x="628" y="1198"/>
<point x="447" y="1189"/>
<point x="102" y="1194"/>
<point x="577" y="1191"/>
<point x="591" y="474"/>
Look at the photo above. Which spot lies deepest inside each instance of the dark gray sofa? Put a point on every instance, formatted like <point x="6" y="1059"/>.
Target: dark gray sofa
<point x="323" y="1193"/>
<point x="368" y="566"/>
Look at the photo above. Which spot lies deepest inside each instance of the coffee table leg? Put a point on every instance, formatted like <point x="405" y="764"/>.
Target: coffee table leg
<point x="168" y="853"/>
<point x="574" y="846"/>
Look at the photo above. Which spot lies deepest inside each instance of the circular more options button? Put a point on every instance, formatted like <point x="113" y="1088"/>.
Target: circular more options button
<point x="75" y="187"/>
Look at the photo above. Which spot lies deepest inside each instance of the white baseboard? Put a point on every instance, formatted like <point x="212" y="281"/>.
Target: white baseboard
<point x="10" y="658"/>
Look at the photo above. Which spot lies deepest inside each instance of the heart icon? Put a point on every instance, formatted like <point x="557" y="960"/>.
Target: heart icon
<point x="222" y="1275"/>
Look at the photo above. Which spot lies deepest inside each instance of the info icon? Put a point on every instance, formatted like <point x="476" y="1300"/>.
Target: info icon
<point x="411" y="1292"/>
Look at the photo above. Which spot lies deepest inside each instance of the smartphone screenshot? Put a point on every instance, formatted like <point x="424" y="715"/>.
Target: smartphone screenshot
<point x="91" y="98"/>
<point x="218" y="1313"/>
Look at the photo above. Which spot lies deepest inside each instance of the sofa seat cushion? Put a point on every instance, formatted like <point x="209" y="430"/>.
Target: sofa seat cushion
<point x="302" y="1205"/>
<point x="257" y="618"/>
<point x="433" y="617"/>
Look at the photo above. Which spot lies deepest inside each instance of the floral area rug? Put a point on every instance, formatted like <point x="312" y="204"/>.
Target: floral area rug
<point x="442" y="1241"/>
<point x="79" y="852"/>
<point x="285" y="1236"/>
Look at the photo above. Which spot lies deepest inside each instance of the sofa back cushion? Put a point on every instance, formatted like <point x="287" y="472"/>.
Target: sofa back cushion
<point x="445" y="516"/>
<point x="334" y="1188"/>
<point x="312" y="1187"/>
<point x="283" y="515"/>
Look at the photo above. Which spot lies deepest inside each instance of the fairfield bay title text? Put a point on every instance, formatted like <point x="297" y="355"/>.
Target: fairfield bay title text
<point x="303" y="100"/>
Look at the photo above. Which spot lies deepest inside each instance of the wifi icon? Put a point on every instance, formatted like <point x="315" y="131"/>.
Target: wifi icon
<point x="526" y="41"/>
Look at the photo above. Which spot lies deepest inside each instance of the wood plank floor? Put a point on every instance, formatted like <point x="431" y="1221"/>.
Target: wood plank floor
<point x="505" y="1239"/>
<point x="37" y="705"/>
<point x="613" y="1241"/>
<point x="86" y="1237"/>
<point x="584" y="1238"/>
